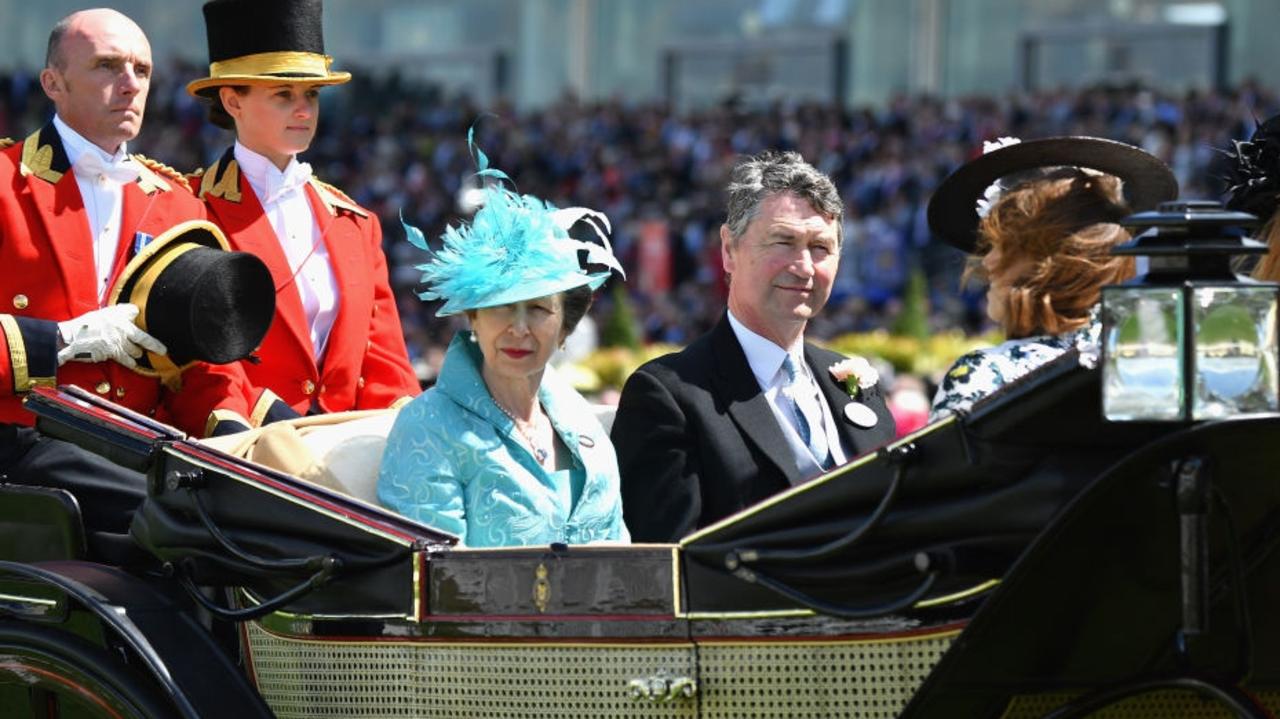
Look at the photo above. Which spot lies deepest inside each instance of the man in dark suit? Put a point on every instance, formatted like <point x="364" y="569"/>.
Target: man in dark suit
<point x="749" y="409"/>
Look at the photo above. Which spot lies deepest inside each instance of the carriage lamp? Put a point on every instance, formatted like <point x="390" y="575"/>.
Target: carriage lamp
<point x="1189" y="339"/>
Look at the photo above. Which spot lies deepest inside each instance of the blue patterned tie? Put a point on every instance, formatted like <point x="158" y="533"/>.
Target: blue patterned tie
<point x="807" y="414"/>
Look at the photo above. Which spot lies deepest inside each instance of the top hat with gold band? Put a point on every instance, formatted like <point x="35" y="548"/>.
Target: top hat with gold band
<point x="253" y="42"/>
<point x="202" y="301"/>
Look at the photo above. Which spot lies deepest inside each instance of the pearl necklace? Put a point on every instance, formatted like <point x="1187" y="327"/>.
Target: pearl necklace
<point x="539" y="453"/>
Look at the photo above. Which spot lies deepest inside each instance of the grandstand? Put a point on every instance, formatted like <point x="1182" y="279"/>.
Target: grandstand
<point x="638" y="109"/>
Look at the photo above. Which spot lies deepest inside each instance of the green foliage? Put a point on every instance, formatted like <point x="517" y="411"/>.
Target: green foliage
<point x="610" y="366"/>
<point x="620" y="327"/>
<point x="914" y="319"/>
<point x="613" y="365"/>
<point x="931" y="355"/>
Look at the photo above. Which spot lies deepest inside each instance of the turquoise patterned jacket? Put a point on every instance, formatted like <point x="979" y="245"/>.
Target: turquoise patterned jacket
<point x="455" y="461"/>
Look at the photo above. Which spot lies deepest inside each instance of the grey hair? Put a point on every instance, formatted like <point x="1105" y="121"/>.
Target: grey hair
<point x="769" y="173"/>
<point x="53" y="53"/>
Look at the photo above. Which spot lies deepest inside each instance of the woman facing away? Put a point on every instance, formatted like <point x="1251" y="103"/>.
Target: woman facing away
<point x="336" y="342"/>
<point x="1041" y="235"/>
<point x="502" y="451"/>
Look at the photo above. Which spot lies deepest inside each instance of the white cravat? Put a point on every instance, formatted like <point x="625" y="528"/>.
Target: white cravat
<point x="284" y="200"/>
<point x="101" y="179"/>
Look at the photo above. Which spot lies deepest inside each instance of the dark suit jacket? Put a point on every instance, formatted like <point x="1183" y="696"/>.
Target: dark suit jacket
<point x="697" y="440"/>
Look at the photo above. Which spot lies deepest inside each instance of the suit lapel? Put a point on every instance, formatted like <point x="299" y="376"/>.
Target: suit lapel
<point x="346" y="264"/>
<point x="736" y="385"/>
<point x="858" y="440"/>
<point x="135" y="208"/>
<point x="57" y="199"/>
<point x="837" y="399"/>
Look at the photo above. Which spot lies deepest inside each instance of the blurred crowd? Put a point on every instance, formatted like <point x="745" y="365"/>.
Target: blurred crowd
<point x="400" y="149"/>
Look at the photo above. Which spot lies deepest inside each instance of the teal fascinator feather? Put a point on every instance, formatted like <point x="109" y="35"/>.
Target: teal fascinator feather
<point x="516" y="248"/>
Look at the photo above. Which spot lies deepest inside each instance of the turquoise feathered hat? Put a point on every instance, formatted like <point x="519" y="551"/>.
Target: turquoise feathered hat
<point x="516" y="248"/>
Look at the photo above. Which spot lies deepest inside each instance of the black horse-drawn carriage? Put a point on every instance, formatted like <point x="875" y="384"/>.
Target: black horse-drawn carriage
<point x="1025" y="559"/>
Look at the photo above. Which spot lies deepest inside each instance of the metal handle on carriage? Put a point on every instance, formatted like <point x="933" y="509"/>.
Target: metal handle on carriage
<point x="663" y="687"/>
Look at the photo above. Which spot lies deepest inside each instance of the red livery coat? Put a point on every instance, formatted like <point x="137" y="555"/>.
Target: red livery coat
<point x="366" y="365"/>
<point x="48" y="275"/>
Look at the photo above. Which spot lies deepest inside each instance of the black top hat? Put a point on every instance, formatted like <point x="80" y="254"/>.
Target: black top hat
<point x="203" y="302"/>
<point x="953" y="214"/>
<point x="252" y="42"/>
<point x="1253" y="180"/>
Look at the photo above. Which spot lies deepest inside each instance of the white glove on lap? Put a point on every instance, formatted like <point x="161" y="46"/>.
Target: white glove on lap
<point x="108" y="333"/>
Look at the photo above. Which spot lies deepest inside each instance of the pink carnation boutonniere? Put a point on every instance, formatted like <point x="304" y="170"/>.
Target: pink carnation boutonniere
<point x="856" y="373"/>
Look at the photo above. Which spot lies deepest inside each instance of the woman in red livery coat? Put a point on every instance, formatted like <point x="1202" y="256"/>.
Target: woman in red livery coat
<point x="336" y="343"/>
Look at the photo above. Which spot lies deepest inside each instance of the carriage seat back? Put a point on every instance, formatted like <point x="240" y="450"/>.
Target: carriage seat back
<point x="39" y="524"/>
<point x="340" y="451"/>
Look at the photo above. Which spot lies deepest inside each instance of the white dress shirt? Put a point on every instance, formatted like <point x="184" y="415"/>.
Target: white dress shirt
<point x="101" y="179"/>
<point x="765" y="359"/>
<point x="284" y="199"/>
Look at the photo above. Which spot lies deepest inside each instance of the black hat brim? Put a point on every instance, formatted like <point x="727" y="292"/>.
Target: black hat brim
<point x="202" y="301"/>
<point x="953" y="215"/>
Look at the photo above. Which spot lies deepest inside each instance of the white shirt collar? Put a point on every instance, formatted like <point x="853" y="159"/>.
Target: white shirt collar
<point x="763" y="355"/>
<point x="264" y="177"/>
<point x="76" y="145"/>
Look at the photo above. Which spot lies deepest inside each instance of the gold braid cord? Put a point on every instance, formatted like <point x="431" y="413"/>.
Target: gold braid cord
<point x="164" y="170"/>
<point x="7" y="142"/>
<point x="337" y="198"/>
<point x="338" y="193"/>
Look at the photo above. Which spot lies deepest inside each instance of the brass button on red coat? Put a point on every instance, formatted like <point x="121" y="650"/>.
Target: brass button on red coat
<point x="308" y="388"/>
<point x="103" y="388"/>
<point x="360" y="383"/>
<point x="20" y="302"/>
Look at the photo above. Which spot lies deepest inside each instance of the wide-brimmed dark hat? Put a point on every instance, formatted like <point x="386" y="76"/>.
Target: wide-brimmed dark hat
<point x="953" y="214"/>
<point x="254" y="42"/>
<point x="204" y="302"/>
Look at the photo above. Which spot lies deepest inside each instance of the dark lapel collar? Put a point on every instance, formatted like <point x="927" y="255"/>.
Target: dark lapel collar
<point x="736" y="385"/>
<point x="857" y="440"/>
<point x="61" y="209"/>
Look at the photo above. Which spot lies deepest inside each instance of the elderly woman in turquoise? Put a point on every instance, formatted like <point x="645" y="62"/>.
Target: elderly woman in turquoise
<point x="502" y="451"/>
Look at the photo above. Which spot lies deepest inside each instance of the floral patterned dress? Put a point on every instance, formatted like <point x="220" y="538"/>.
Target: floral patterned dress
<point x="983" y="372"/>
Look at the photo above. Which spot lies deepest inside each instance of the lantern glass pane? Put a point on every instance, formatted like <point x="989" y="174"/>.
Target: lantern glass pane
<point x="1235" y="351"/>
<point x="1141" y="346"/>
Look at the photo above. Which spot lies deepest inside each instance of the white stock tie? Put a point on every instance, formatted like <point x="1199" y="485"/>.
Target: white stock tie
<point x="90" y="164"/>
<point x="280" y="185"/>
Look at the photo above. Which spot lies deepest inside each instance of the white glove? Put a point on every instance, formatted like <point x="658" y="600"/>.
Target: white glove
<point x="108" y="333"/>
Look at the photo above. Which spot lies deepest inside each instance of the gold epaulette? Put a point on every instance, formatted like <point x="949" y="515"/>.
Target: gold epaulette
<point x="162" y="169"/>
<point x="7" y="142"/>
<point x="335" y="198"/>
<point x="339" y="193"/>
